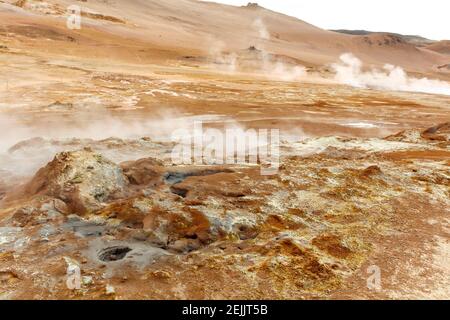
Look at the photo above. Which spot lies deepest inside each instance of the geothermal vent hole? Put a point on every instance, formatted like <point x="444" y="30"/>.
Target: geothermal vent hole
<point x="177" y="177"/>
<point x="113" y="253"/>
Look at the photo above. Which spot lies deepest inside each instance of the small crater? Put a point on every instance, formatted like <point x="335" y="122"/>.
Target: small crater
<point x="113" y="253"/>
<point x="179" y="191"/>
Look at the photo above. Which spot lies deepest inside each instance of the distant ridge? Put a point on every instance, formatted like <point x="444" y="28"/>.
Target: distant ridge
<point x="411" y="39"/>
<point x="209" y="30"/>
<point x="442" y="47"/>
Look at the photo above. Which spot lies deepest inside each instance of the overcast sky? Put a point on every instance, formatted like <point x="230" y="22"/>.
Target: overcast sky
<point x="428" y="18"/>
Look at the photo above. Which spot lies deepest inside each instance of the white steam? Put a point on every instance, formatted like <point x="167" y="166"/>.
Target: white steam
<point x="272" y="66"/>
<point x="350" y="71"/>
<point x="275" y="69"/>
<point x="255" y="58"/>
<point x="74" y="134"/>
<point x="225" y="61"/>
<point x="91" y="126"/>
<point x="261" y="28"/>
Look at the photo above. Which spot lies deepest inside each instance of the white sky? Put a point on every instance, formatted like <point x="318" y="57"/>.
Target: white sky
<point x="428" y="18"/>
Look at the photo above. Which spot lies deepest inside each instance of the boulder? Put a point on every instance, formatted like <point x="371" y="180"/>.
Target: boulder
<point x="84" y="180"/>
<point x="144" y="172"/>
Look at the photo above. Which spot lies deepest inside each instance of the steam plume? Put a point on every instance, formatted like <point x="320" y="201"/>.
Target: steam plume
<point x="350" y="71"/>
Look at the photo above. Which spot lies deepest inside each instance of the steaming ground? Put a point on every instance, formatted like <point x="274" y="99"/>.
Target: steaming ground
<point x="94" y="102"/>
<point x="299" y="109"/>
<point x="349" y="71"/>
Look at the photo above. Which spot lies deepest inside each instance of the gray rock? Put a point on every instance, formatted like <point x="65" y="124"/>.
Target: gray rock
<point x="47" y="231"/>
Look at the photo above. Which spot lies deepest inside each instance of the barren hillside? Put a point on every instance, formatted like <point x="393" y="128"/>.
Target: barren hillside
<point x="188" y="27"/>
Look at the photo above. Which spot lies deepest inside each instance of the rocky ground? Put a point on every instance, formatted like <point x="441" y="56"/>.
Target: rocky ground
<point x="146" y="229"/>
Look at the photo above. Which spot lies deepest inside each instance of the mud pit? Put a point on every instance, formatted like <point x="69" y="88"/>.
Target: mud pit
<point x="113" y="253"/>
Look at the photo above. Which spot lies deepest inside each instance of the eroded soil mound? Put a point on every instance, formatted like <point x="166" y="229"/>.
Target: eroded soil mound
<point x="83" y="179"/>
